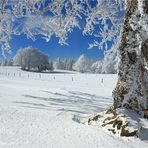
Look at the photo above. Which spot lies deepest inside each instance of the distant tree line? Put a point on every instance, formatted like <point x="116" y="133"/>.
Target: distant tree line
<point x="7" y="62"/>
<point x="64" y="64"/>
<point x="31" y="59"/>
<point x="108" y="65"/>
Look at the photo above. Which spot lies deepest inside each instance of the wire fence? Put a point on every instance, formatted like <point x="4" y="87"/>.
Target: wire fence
<point x="35" y="76"/>
<point x="49" y="76"/>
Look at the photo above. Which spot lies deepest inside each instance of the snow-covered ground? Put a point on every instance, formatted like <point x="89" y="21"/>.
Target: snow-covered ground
<point x="48" y="110"/>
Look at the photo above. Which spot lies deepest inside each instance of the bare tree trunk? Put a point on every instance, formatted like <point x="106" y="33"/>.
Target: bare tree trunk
<point x="132" y="87"/>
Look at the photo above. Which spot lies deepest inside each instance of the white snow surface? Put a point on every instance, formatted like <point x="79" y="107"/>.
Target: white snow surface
<point x="48" y="110"/>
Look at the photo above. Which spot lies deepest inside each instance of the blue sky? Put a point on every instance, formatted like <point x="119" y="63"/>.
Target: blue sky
<point x="78" y="45"/>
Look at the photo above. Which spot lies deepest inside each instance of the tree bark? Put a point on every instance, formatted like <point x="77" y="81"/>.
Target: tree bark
<point x="131" y="90"/>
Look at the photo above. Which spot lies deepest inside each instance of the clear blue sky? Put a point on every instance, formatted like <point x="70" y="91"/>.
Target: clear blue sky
<point x="78" y="45"/>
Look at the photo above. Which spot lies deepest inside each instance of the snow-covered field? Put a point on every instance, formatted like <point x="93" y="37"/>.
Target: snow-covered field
<point x="48" y="110"/>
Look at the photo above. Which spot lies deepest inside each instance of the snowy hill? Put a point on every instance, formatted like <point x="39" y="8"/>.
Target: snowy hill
<point x="48" y="110"/>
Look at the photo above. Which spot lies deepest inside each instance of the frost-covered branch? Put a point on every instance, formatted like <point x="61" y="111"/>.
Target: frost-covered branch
<point x="107" y="16"/>
<point x="58" y="17"/>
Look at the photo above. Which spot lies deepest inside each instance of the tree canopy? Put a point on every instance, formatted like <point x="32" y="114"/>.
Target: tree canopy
<point x="30" y="58"/>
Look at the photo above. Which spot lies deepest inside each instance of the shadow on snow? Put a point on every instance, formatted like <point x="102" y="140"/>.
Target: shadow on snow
<point x="79" y="104"/>
<point x="75" y="102"/>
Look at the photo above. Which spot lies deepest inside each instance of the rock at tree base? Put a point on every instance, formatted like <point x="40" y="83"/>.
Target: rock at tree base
<point x="120" y="122"/>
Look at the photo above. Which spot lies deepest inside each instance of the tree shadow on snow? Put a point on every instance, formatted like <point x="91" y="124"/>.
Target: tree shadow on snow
<point x="82" y="104"/>
<point x="144" y="134"/>
<point x="79" y="104"/>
